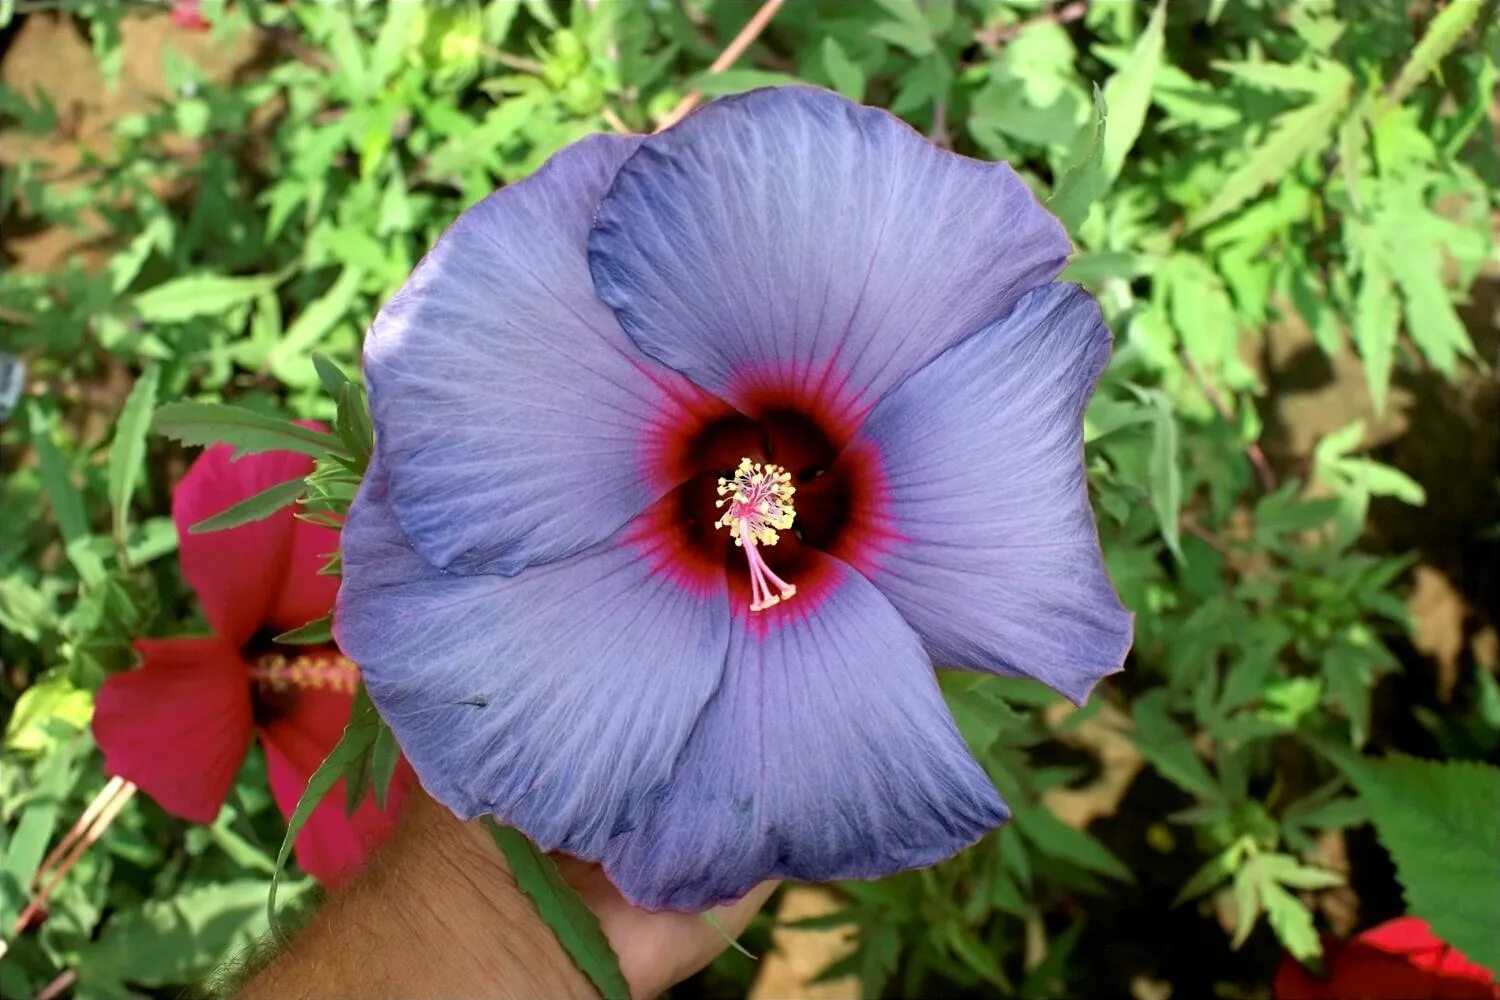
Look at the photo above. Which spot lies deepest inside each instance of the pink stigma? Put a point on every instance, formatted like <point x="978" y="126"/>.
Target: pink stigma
<point x="759" y="498"/>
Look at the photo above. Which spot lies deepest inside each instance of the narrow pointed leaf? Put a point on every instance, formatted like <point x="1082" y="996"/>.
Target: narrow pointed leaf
<point x="575" y="925"/>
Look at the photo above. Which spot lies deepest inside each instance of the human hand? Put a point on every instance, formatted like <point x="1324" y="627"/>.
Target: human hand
<point x="438" y="913"/>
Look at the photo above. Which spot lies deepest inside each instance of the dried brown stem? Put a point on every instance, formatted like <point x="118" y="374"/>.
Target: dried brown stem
<point x="105" y="807"/>
<point x="731" y="54"/>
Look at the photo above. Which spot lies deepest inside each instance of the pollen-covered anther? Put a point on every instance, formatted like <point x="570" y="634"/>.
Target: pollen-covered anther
<point x="312" y="671"/>
<point x="759" y="506"/>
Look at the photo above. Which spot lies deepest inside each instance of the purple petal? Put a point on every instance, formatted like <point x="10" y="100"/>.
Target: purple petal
<point x="987" y="545"/>
<point x="517" y="421"/>
<point x="827" y="753"/>
<point x="788" y="240"/>
<point x="556" y="699"/>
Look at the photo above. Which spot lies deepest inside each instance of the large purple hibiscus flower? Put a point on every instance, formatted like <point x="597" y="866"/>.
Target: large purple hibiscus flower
<point x="694" y="453"/>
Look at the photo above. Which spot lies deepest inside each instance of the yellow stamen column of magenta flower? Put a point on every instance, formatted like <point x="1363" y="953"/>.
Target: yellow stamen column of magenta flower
<point x="759" y="498"/>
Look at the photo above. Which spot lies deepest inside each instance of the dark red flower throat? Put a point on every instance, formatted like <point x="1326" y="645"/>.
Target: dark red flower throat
<point x="839" y="493"/>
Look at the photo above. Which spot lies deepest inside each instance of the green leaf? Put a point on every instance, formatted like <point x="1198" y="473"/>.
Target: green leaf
<point x="1162" y="742"/>
<point x="1165" y="472"/>
<point x="57" y="483"/>
<point x="1127" y="93"/>
<point x="977" y="956"/>
<point x="180" y="939"/>
<point x="1057" y="839"/>
<point x="312" y="325"/>
<point x="1293" y="135"/>
<point x="734" y="81"/>
<point x="848" y="79"/>
<point x="908" y="28"/>
<point x="1307" y="79"/>
<point x="261" y="505"/>
<point x="1431" y="321"/>
<point x="315" y="632"/>
<point x="329" y="374"/>
<point x="383" y="758"/>
<point x="1438" y="820"/>
<point x="1209" y="876"/>
<point x="359" y="735"/>
<point x="52" y="700"/>
<point x="575" y="925"/>
<point x="1082" y="183"/>
<point x="1445" y="31"/>
<point x="1377" y="317"/>
<point x="200" y="295"/>
<point x="250" y="432"/>
<point x="1292" y="922"/>
<point x="128" y="450"/>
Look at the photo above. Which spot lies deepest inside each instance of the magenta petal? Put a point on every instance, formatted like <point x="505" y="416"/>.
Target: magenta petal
<point x="517" y="422"/>
<point x="989" y="547"/>
<point x="332" y="845"/>
<point x="786" y="241"/>
<point x="826" y="753"/>
<point x="179" y="724"/>
<point x="557" y="699"/>
<point x="239" y="573"/>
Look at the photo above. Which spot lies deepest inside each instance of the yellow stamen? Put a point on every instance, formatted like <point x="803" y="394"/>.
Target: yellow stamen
<point x="759" y="502"/>
<point x="310" y="671"/>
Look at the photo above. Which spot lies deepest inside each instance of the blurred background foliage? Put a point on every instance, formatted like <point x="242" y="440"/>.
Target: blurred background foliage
<point x="1288" y="210"/>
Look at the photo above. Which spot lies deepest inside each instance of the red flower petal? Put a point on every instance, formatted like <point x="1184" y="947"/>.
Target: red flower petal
<point x="331" y="846"/>
<point x="1397" y="960"/>
<point x="305" y="594"/>
<point x="179" y="725"/>
<point x="188" y="15"/>
<point x="238" y="573"/>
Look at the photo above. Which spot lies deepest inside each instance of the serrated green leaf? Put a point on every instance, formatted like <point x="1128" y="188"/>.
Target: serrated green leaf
<point x="312" y="325"/>
<point x="1385" y="481"/>
<point x="255" y="508"/>
<point x="1280" y="76"/>
<point x="315" y="632"/>
<point x="1082" y="183"/>
<point x="1162" y="742"/>
<point x="1288" y="871"/>
<point x="1246" y="905"/>
<point x="1293" y="135"/>
<point x="1439" y="821"/>
<point x="128" y="449"/>
<point x="1057" y="839"/>
<point x="1127" y="93"/>
<point x="1209" y="876"/>
<point x="200" y="295"/>
<point x="1431" y="321"/>
<point x="1292" y="922"/>
<point x="1377" y="318"/>
<point x="848" y="79"/>
<point x="250" y="432"/>
<point x="1165" y="483"/>
<point x="358" y="736"/>
<point x="907" y="28"/>
<point x="575" y="925"/>
<point x="1442" y="34"/>
<point x="976" y="955"/>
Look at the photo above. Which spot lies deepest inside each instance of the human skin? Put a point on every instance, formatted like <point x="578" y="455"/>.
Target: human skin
<point x="437" y="913"/>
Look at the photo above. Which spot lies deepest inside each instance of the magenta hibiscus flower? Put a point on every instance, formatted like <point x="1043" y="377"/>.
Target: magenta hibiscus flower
<point x="180" y="724"/>
<point x="694" y="453"/>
